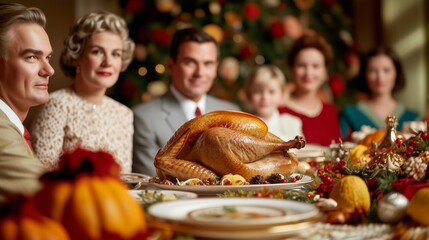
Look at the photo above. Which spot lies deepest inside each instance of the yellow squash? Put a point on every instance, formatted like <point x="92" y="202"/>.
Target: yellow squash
<point x="351" y="193"/>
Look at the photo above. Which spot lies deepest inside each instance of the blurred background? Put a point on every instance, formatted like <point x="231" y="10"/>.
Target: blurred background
<point x="252" y="33"/>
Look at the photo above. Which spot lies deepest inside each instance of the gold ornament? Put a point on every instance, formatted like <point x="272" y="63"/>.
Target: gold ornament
<point x="215" y="31"/>
<point x="388" y="160"/>
<point x="215" y="8"/>
<point x="157" y="88"/>
<point x="385" y="154"/>
<point x="424" y="156"/>
<point x="389" y="140"/>
<point x="233" y="19"/>
<point x="165" y="5"/>
<point x="229" y="69"/>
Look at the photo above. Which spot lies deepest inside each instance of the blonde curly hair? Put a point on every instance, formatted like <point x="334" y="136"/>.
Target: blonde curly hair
<point x="81" y="32"/>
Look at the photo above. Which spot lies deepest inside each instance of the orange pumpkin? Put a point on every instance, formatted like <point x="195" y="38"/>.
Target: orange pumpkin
<point x="19" y="219"/>
<point x="86" y="195"/>
<point x="376" y="137"/>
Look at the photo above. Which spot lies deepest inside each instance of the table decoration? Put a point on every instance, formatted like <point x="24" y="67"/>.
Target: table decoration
<point x="85" y="194"/>
<point x="392" y="207"/>
<point x="394" y="166"/>
<point x="20" y="220"/>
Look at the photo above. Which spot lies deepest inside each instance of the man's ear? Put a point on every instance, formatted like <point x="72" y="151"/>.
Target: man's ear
<point x="170" y="64"/>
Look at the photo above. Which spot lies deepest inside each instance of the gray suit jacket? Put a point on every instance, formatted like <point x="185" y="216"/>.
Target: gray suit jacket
<point x="154" y="124"/>
<point x="19" y="169"/>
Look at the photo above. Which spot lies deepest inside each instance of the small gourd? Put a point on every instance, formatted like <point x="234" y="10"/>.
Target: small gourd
<point x="87" y="196"/>
<point x="20" y="220"/>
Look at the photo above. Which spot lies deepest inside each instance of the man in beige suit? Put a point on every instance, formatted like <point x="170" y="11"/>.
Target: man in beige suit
<point x="25" y="51"/>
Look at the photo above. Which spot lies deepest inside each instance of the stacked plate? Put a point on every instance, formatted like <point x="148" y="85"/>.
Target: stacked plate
<point x="134" y="180"/>
<point x="235" y="218"/>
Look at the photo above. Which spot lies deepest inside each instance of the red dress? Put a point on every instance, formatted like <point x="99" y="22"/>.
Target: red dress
<point x="321" y="129"/>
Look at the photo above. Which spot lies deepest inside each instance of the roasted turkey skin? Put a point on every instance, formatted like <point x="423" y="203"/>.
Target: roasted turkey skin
<point x="224" y="142"/>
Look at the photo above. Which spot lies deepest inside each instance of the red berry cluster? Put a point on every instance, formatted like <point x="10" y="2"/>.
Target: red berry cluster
<point x="292" y="179"/>
<point x="328" y="172"/>
<point x="414" y="145"/>
<point x="326" y="186"/>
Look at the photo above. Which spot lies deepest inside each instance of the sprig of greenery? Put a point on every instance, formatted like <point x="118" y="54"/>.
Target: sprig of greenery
<point x="296" y="195"/>
<point x="385" y="180"/>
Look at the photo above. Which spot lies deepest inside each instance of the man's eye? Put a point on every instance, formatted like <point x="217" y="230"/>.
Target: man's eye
<point x="31" y="58"/>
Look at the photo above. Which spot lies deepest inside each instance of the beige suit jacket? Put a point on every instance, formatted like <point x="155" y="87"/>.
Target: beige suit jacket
<point x="19" y="168"/>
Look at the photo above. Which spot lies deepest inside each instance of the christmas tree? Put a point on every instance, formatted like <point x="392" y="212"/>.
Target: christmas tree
<point x="250" y="33"/>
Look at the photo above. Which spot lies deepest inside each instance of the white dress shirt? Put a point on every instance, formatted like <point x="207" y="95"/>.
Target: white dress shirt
<point x="12" y="116"/>
<point x="188" y="105"/>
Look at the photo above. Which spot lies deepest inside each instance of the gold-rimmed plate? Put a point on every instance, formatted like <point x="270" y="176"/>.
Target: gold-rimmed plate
<point x="233" y="212"/>
<point x="255" y="218"/>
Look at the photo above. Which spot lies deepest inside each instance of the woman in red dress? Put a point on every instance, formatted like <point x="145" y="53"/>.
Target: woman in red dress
<point x="308" y="60"/>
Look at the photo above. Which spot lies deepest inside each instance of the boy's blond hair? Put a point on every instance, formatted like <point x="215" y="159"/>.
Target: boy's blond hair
<point x="263" y="74"/>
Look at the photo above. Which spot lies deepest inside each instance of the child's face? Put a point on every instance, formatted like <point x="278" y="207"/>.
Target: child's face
<point x="266" y="98"/>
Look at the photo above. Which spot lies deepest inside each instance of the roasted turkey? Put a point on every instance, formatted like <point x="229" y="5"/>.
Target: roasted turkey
<point x="223" y="142"/>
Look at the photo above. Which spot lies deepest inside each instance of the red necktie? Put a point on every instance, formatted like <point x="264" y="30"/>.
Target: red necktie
<point x="28" y="138"/>
<point x="197" y="112"/>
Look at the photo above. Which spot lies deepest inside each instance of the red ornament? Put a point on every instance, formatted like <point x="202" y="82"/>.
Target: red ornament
<point x="252" y="11"/>
<point x="134" y="6"/>
<point x="246" y="52"/>
<point x="161" y="36"/>
<point x="277" y="30"/>
<point x="337" y="85"/>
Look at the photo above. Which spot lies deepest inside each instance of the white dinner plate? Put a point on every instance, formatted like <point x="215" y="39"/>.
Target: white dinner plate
<point x="218" y="189"/>
<point x="235" y="213"/>
<point x="153" y="196"/>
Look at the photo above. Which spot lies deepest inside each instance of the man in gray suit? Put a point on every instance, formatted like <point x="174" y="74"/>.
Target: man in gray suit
<point x="25" y="70"/>
<point x="193" y="63"/>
